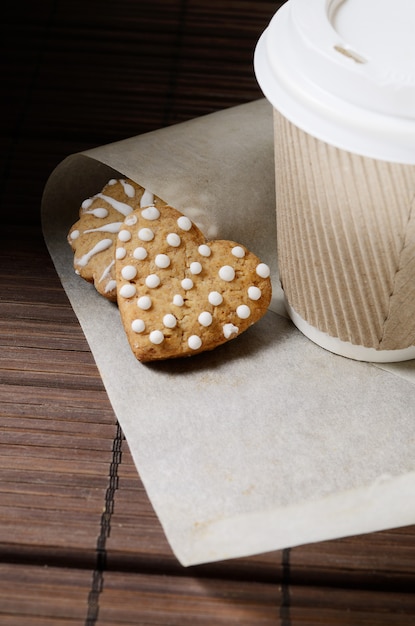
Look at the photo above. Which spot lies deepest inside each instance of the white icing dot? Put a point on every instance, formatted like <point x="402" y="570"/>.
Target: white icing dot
<point x="130" y="220"/>
<point x="169" y="321"/>
<point x="120" y="253"/>
<point x="173" y="239"/>
<point x="144" y="303"/>
<point x="194" y="342"/>
<point x="204" y="250"/>
<point x="263" y="270"/>
<point x="129" y="272"/>
<point x="140" y="253"/>
<point x="150" y="213"/>
<point x="75" y="234"/>
<point x="112" y="181"/>
<point x="229" y="330"/>
<point x="178" y="300"/>
<point x="156" y="337"/>
<point x="152" y="281"/>
<point x="87" y="203"/>
<point x="128" y="291"/>
<point x="124" y="235"/>
<point x="162" y="261"/>
<point x="215" y="298"/>
<point x="227" y="273"/>
<point x="184" y="223"/>
<point x="205" y="318"/>
<point x="138" y="326"/>
<point x="145" y="234"/>
<point x="187" y="283"/>
<point x="238" y="252"/>
<point x="195" y="267"/>
<point x="243" y="312"/>
<point x="254" y="293"/>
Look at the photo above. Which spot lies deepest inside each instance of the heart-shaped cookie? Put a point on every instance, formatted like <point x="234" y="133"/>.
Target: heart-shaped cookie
<point x="93" y="236"/>
<point x="179" y="294"/>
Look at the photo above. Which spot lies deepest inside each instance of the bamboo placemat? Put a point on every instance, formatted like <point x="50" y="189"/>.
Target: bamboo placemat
<point x="79" y="541"/>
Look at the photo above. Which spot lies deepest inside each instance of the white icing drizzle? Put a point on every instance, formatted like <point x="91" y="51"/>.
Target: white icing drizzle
<point x="110" y="286"/>
<point x="170" y="321"/>
<point x="147" y="198"/>
<point x="263" y="270"/>
<point x="205" y="318"/>
<point x="129" y="272"/>
<point x="102" y="245"/>
<point x="112" y="227"/>
<point x="144" y="303"/>
<point x="140" y="253"/>
<point x="229" y="330"/>
<point x="152" y="281"/>
<point x="128" y="188"/>
<point x="174" y="240"/>
<point x="128" y="291"/>
<point x="178" y="300"/>
<point x="215" y="298"/>
<point x="195" y="267"/>
<point x="106" y="272"/>
<point x="227" y="273"/>
<point x="145" y="234"/>
<point x="238" y="252"/>
<point x="204" y="250"/>
<point x="187" y="284"/>
<point x="254" y="293"/>
<point x="162" y="261"/>
<point x="121" y="207"/>
<point x="124" y="235"/>
<point x="150" y="213"/>
<point x="194" y="342"/>
<point x="98" y="212"/>
<point x="184" y="223"/>
<point x="156" y="337"/>
<point x="138" y="326"/>
<point x="243" y="311"/>
<point x="87" y="203"/>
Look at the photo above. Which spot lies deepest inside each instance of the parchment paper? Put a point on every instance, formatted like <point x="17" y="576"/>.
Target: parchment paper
<point x="268" y="441"/>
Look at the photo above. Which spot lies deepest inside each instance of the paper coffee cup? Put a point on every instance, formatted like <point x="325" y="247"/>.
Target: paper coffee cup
<point x="341" y="79"/>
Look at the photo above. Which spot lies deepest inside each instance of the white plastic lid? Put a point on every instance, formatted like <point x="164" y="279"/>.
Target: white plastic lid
<point x="344" y="72"/>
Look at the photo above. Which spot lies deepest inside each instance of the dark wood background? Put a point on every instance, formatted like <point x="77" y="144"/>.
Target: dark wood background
<point x="79" y="541"/>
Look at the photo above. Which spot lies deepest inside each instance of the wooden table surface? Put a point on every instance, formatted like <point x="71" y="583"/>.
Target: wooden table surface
<point x="79" y="540"/>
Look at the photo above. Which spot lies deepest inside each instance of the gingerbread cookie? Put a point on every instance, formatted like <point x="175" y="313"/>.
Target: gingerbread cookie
<point x="93" y="236"/>
<point x="179" y="294"/>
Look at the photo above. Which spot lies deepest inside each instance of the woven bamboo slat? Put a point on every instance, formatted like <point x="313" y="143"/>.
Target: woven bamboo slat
<point x="79" y="540"/>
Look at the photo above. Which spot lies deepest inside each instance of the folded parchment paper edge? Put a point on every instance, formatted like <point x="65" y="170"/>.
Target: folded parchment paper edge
<point x="382" y="503"/>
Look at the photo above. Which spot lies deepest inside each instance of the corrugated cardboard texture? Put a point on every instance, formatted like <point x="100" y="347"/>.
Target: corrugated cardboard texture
<point x="346" y="240"/>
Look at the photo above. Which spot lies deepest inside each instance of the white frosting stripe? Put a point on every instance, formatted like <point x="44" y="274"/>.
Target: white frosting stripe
<point x="102" y="245"/>
<point x="112" y="227"/>
<point x="146" y="199"/>
<point x="121" y="207"/>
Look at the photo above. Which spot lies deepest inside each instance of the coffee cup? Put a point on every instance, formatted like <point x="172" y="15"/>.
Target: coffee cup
<point x="340" y="76"/>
